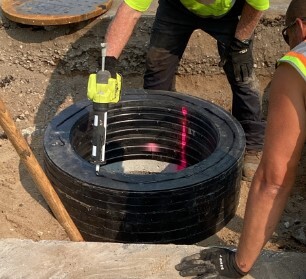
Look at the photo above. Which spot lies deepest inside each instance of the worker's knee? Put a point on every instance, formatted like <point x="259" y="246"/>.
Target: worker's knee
<point x="161" y="67"/>
<point x="160" y="59"/>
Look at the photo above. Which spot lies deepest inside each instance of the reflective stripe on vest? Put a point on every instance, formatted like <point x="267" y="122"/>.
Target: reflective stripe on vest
<point x="205" y="8"/>
<point x="297" y="58"/>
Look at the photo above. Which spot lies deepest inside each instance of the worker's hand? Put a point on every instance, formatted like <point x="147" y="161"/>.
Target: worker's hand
<point x="210" y="263"/>
<point x="239" y="54"/>
<point x="111" y="64"/>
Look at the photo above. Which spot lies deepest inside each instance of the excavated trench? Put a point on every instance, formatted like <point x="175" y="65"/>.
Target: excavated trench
<point x="66" y="64"/>
<point x="128" y="203"/>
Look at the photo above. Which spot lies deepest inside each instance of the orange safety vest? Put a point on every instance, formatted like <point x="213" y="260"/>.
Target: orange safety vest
<point x="296" y="58"/>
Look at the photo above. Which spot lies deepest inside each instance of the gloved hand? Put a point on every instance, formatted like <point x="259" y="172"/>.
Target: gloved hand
<point x="111" y="64"/>
<point x="210" y="263"/>
<point x="239" y="54"/>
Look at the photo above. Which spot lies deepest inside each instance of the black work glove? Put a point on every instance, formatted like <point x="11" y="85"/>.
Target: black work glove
<point x="239" y="54"/>
<point x="210" y="263"/>
<point x="111" y="64"/>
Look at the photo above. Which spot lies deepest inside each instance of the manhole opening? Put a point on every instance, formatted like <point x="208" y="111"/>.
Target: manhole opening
<point x="145" y="138"/>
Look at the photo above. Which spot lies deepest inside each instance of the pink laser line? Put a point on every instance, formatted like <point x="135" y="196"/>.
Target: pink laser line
<point x="183" y="162"/>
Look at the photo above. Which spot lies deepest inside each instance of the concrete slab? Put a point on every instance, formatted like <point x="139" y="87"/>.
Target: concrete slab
<point x="279" y="6"/>
<point x="142" y="167"/>
<point x="62" y="259"/>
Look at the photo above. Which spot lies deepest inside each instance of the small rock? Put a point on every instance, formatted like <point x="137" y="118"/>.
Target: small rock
<point x="28" y="131"/>
<point x="21" y="117"/>
<point x="289" y="222"/>
<point x="299" y="233"/>
<point x="299" y="198"/>
<point x="3" y="135"/>
<point x="61" y="71"/>
<point x="6" y="25"/>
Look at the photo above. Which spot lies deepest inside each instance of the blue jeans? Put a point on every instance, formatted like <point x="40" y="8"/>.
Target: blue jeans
<point x="171" y="31"/>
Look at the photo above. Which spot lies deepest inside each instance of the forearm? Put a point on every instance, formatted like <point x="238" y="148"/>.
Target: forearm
<point x="284" y="140"/>
<point x="121" y="29"/>
<point x="265" y="205"/>
<point x="248" y="22"/>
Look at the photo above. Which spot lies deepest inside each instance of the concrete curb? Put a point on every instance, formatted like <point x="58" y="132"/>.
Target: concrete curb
<point x="64" y="259"/>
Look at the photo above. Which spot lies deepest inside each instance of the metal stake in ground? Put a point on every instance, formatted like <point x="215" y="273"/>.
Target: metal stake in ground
<point x="42" y="182"/>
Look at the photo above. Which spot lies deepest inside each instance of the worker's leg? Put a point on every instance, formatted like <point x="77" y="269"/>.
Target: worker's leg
<point x="171" y="31"/>
<point x="246" y="105"/>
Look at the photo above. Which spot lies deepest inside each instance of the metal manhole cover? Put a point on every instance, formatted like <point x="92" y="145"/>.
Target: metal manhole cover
<point x="53" y="12"/>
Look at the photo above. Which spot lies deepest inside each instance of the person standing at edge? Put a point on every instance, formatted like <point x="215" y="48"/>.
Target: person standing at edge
<point x="273" y="181"/>
<point x="230" y="22"/>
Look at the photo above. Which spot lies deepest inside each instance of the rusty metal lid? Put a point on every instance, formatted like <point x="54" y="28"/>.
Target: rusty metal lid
<point x="53" y="12"/>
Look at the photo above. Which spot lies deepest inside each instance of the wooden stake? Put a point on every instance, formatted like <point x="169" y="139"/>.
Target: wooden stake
<point x="42" y="182"/>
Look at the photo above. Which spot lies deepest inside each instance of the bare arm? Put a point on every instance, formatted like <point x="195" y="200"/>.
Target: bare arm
<point x="120" y="29"/>
<point x="248" y="22"/>
<point x="274" y="179"/>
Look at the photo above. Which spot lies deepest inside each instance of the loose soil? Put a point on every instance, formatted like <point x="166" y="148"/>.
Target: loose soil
<point x="44" y="70"/>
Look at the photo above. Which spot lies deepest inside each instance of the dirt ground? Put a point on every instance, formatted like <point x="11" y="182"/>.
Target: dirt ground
<point x="44" y="70"/>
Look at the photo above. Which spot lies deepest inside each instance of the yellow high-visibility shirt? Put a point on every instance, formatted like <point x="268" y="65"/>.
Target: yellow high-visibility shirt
<point x="204" y="8"/>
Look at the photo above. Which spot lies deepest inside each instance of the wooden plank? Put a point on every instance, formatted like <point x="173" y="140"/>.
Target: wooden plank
<point x="53" y="12"/>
